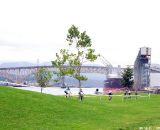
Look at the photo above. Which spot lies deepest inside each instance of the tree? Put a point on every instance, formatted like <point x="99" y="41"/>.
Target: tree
<point x="82" y="52"/>
<point x="127" y="77"/>
<point x="43" y="77"/>
<point x="79" y="52"/>
<point x="60" y="62"/>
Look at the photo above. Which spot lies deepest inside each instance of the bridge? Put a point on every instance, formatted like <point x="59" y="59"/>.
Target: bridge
<point x="154" y="69"/>
<point x="20" y="74"/>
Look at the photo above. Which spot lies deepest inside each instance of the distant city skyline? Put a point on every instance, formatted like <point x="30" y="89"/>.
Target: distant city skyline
<point x="37" y="29"/>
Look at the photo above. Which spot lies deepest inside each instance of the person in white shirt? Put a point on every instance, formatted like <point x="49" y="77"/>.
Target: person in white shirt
<point x="67" y="92"/>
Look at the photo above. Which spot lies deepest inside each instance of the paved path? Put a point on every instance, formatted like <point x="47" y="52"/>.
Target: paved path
<point x="60" y="91"/>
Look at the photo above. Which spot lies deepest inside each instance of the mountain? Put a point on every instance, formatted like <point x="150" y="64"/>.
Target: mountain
<point x="46" y="63"/>
<point x="22" y="64"/>
<point x="16" y="64"/>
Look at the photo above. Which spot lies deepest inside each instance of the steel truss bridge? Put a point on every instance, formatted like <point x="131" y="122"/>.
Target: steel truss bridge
<point x="20" y="74"/>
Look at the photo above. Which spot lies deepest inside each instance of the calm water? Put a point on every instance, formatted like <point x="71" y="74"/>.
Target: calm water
<point x="97" y="80"/>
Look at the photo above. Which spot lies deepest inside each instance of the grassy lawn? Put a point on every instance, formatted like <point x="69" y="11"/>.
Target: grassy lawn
<point x="25" y="110"/>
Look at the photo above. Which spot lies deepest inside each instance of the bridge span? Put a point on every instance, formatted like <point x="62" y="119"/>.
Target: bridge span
<point x="20" y="74"/>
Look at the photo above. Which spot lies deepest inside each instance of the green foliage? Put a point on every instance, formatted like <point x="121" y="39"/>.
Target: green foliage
<point x="43" y="77"/>
<point x="81" y="40"/>
<point x="127" y="77"/>
<point x="72" y="33"/>
<point x="26" y="110"/>
<point x="90" y="55"/>
<point x="80" y="77"/>
<point x="62" y="59"/>
<point x="82" y="52"/>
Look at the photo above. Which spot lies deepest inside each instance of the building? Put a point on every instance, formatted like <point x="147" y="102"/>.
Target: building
<point x="142" y="68"/>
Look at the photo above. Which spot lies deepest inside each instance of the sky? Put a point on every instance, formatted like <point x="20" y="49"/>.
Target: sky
<point x="37" y="29"/>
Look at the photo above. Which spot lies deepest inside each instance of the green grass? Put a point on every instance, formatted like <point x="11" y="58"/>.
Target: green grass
<point x="25" y="110"/>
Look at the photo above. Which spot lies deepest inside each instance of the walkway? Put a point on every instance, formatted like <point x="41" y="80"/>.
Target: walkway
<point x="60" y="91"/>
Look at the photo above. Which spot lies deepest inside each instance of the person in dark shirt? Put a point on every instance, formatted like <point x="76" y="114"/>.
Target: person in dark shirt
<point x="110" y="95"/>
<point x="136" y="93"/>
<point x="97" y="91"/>
<point x="81" y="94"/>
<point x="125" y="94"/>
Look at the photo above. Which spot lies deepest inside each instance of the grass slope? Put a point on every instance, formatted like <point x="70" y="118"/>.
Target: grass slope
<point x="25" y="110"/>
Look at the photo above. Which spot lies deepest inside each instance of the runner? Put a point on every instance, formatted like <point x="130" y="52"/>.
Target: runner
<point x="67" y="92"/>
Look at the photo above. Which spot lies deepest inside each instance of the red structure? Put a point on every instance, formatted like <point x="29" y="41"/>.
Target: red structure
<point x="113" y="84"/>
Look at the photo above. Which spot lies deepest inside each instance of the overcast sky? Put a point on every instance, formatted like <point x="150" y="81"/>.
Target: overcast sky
<point x="37" y="29"/>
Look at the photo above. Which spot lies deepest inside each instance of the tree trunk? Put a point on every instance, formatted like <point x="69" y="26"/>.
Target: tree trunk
<point x="63" y="82"/>
<point x="79" y="84"/>
<point x="41" y="89"/>
<point x="79" y="81"/>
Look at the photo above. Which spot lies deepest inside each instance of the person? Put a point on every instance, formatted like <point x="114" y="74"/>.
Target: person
<point x="125" y="94"/>
<point x="136" y="93"/>
<point x="110" y="95"/>
<point x="97" y="91"/>
<point x="129" y="94"/>
<point x="81" y="94"/>
<point x="67" y="92"/>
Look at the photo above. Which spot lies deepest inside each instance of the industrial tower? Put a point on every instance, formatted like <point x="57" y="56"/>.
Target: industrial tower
<point x="142" y="68"/>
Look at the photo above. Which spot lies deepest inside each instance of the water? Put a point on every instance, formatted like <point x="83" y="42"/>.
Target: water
<point x="97" y="80"/>
<point x="94" y="80"/>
